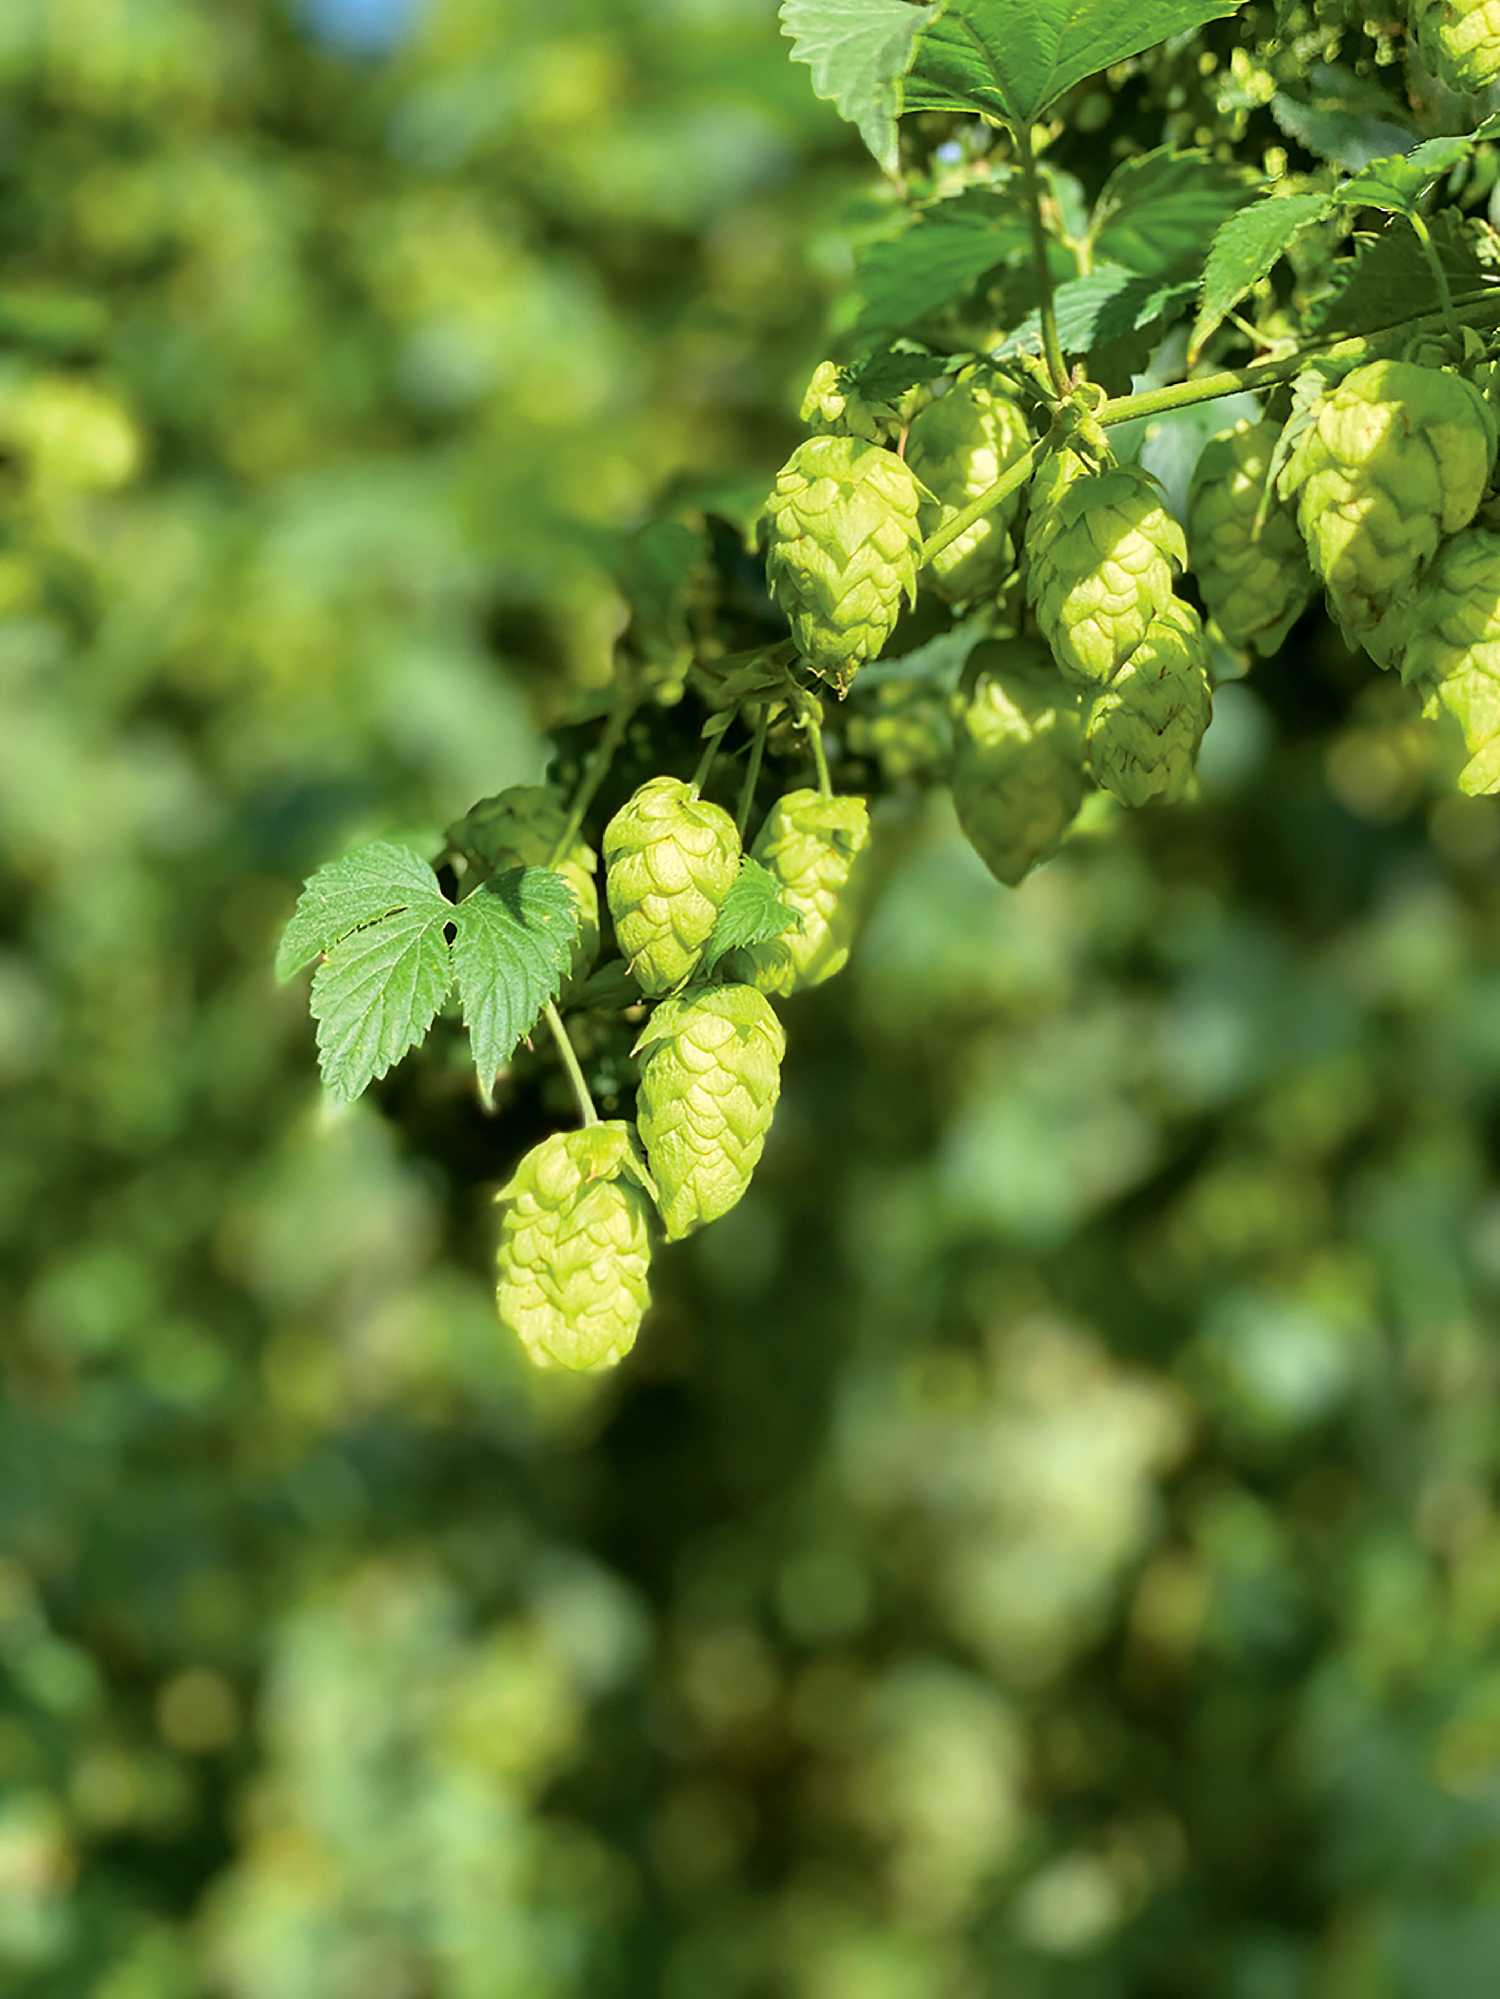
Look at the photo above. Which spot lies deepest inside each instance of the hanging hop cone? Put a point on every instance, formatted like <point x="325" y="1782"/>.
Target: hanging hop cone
<point x="1017" y="776"/>
<point x="817" y="849"/>
<point x="670" y="858"/>
<point x="1101" y="551"/>
<point x="1452" y="650"/>
<point x="1244" y="544"/>
<point x="520" y="828"/>
<point x="1459" y="41"/>
<point x="958" y="447"/>
<point x="1396" y="457"/>
<point x="575" y="1248"/>
<point x="1143" y="731"/>
<point x="710" y="1077"/>
<point x="842" y="541"/>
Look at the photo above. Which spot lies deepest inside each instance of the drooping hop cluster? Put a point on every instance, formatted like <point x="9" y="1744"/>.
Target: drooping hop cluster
<point x="816" y="847"/>
<point x="670" y="858"/>
<point x="1143" y="731"/>
<point x="1396" y="457"/>
<point x="1450" y="648"/>
<point x="1101" y="554"/>
<point x="710" y="1078"/>
<point x="1017" y="776"/>
<point x="958" y="447"/>
<point x="520" y="828"/>
<point x="842" y="540"/>
<point x="1245" y="547"/>
<point x="1459" y="41"/>
<point x="575" y="1248"/>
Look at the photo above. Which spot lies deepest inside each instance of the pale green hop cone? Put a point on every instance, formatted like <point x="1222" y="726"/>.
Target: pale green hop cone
<point x="710" y="1078"/>
<point x="670" y="858"/>
<point x="1453" y="648"/>
<point x="1017" y="776"/>
<point x="842" y="540"/>
<point x="1244" y="544"/>
<point x="1143" y="731"/>
<point x="817" y="848"/>
<point x="958" y="447"/>
<point x="520" y="828"/>
<point x="575" y="1248"/>
<point x="1101" y="554"/>
<point x="1397" y="456"/>
<point x="1459" y="41"/>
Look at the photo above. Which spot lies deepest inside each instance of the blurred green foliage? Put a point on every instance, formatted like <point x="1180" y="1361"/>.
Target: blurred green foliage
<point x="1046" y="1541"/>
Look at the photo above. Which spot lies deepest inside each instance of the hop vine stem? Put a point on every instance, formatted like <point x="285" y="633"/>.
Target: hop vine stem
<point x="1057" y="366"/>
<point x="586" y="1107"/>
<point x="1481" y="308"/>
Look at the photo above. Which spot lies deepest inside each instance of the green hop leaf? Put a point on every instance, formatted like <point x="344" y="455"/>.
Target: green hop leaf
<point x="1459" y="41"/>
<point x="1246" y="550"/>
<point x="752" y="913"/>
<point x="513" y="936"/>
<point x="575" y="1248"/>
<point x="817" y="849"/>
<point x="1395" y="457"/>
<point x="842" y="544"/>
<point x="1017" y="776"/>
<point x="1451" y="648"/>
<point x="1143" y="731"/>
<point x="1101" y="551"/>
<point x="958" y="447"/>
<point x="520" y="828"/>
<point x="670" y="859"/>
<point x="710" y="1078"/>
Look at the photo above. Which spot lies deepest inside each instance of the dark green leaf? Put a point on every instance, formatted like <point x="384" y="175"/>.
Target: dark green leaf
<point x="1347" y="138"/>
<point x="1158" y="210"/>
<point x="1108" y="304"/>
<point x="1245" y="249"/>
<point x="1398" y="182"/>
<point x="1376" y="286"/>
<point x="947" y="251"/>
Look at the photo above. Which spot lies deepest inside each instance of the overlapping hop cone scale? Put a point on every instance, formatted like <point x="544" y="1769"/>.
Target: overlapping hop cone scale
<point x="670" y="859"/>
<point x="520" y="827"/>
<point x="572" y="1266"/>
<point x="1459" y="41"/>
<point x="1017" y="777"/>
<point x="710" y="1080"/>
<point x="1243" y="540"/>
<point x="1101" y="555"/>
<point x="1144" y="729"/>
<point x="817" y="849"/>
<point x="1451" y="648"/>
<point x="1397" y="456"/>
<point x="842" y="541"/>
<point x="958" y="447"/>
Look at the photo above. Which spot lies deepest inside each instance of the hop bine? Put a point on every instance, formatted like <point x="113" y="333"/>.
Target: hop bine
<point x="1017" y="776"/>
<point x="816" y="848"/>
<point x="575" y="1248"/>
<point x="670" y="858"/>
<point x="1245" y="547"/>
<point x="710" y="1078"/>
<point x="958" y="447"/>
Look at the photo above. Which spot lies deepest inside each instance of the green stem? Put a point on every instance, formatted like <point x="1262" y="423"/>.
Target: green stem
<point x="752" y="771"/>
<point x="570" y="1062"/>
<point x="820" y="760"/>
<point x="595" y="772"/>
<point x="1354" y="348"/>
<point x="1435" y="265"/>
<point x="1057" y="367"/>
<point x="705" y="765"/>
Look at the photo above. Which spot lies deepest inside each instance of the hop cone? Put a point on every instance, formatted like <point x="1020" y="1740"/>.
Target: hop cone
<point x="1459" y="41"/>
<point x="815" y="847"/>
<point x="1395" y="458"/>
<point x="519" y="828"/>
<point x="1256" y="585"/>
<point x="842" y="542"/>
<point x="1101" y="550"/>
<point x="575" y="1248"/>
<point x="1017" y="774"/>
<point x="958" y="447"/>
<point x="1144" y="730"/>
<point x="670" y="858"/>
<point x="710" y="1078"/>
<point x="1453" y="649"/>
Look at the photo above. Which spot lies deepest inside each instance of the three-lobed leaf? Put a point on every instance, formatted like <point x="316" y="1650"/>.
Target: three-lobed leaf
<point x="375" y="881"/>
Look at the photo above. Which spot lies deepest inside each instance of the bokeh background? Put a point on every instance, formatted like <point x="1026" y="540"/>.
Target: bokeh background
<point x="1045" y="1542"/>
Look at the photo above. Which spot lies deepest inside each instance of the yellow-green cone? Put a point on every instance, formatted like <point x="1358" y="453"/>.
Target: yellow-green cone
<point x="1452" y="650"/>
<point x="816" y="849"/>
<point x="575" y="1248"/>
<point x="1459" y="41"/>
<point x="958" y="447"/>
<point x="710" y="1078"/>
<point x="1017" y="775"/>
<point x="670" y="858"/>
<point x="1143" y="731"/>
<point x="1255" y="582"/>
<point x="519" y="828"/>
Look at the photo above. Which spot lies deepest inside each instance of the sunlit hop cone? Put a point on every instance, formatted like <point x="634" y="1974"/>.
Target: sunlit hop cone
<point x="575" y="1248"/>
<point x="817" y="849"/>
<point x="1143" y="731"/>
<point x="1452" y="648"/>
<point x="1397" y="456"/>
<point x="710" y="1078"/>
<point x="958" y="447"/>
<point x="670" y="858"/>
<point x="1101" y="552"/>
<point x="842" y="540"/>
<point x="1459" y="41"/>
<point x="1017" y="775"/>
<point x="1244" y="544"/>
<point x="519" y="828"/>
